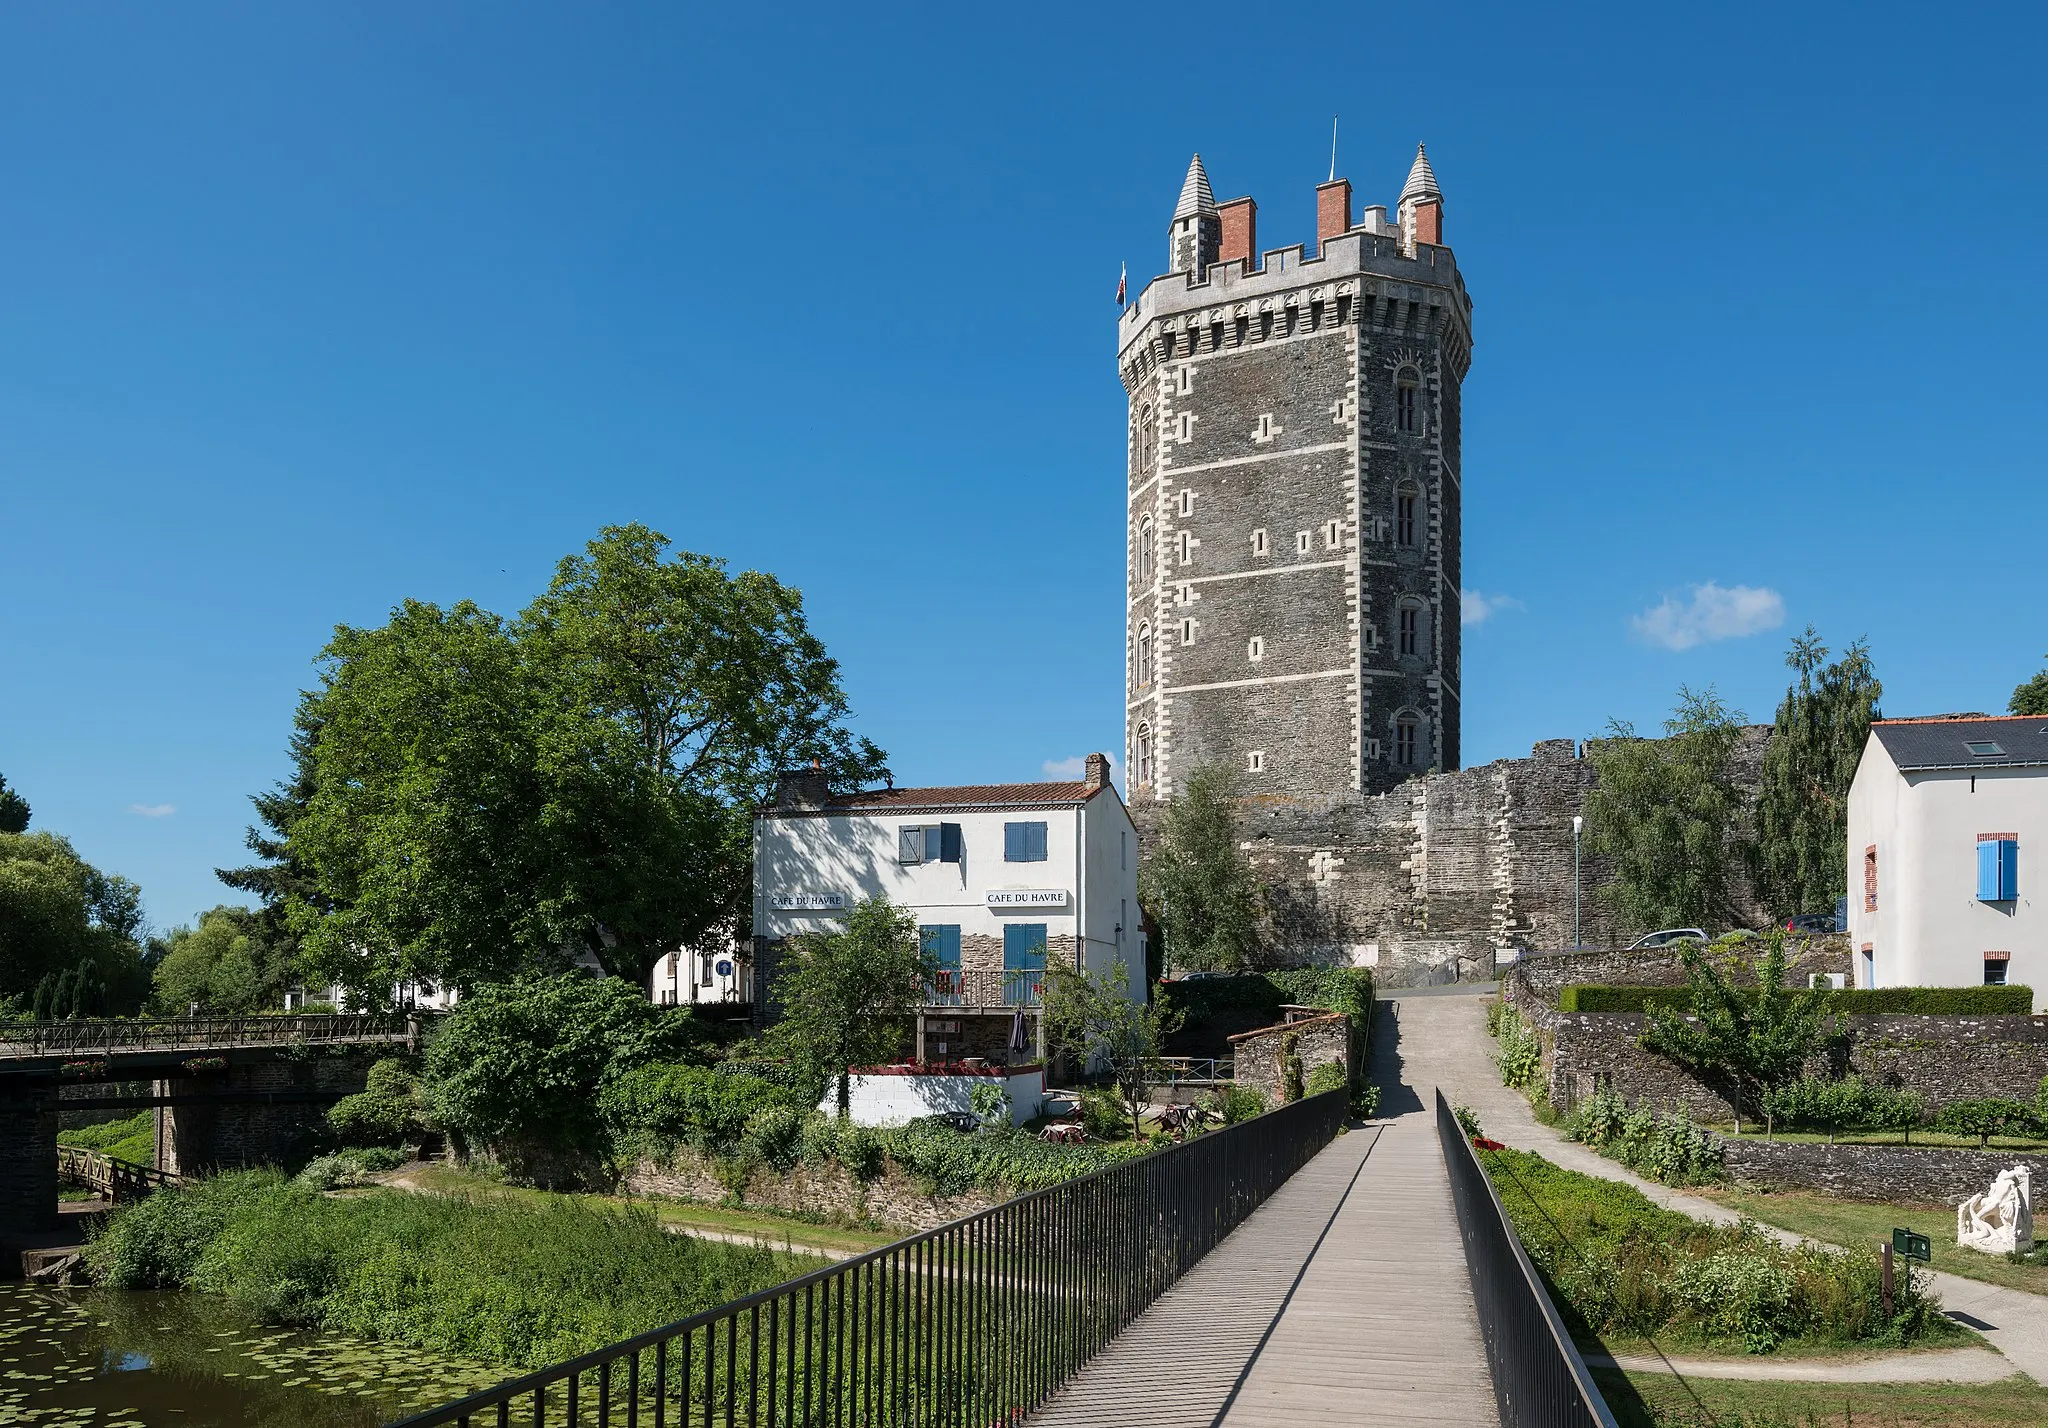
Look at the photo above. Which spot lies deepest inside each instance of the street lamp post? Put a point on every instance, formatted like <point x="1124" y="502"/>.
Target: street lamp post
<point x="1578" y="938"/>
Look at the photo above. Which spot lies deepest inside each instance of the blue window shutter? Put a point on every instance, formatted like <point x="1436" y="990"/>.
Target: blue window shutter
<point x="2008" y="869"/>
<point x="949" y="843"/>
<point x="1013" y="842"/>
<point x="949" y="945"/>
<point x="1987" y="870"/>
<point x="1036" y="850"/>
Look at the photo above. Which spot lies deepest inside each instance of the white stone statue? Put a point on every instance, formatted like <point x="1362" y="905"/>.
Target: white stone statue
<point x="2000" y="1220"/>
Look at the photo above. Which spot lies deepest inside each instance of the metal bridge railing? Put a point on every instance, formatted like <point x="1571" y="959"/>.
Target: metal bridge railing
<point x="1539" y="1378"/>
<point x="970" y="1325"/>
<point x="22" y="1039"/>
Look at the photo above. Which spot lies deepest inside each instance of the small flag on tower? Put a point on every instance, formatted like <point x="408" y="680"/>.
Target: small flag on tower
<point x="1123" y="274"/>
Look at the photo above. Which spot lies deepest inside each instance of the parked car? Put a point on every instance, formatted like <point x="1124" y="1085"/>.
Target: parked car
<point x="1812" y="923"/>
<point x="1669" y="936"/>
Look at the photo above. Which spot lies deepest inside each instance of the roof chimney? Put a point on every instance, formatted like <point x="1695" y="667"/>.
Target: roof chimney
<point x="1421" y="209"/>
<point x="1191" y="240"/>
<point x="1240" y="220"/>
<point x="1097" y="772"/>
<point x="802" y="788"/>
<point x="1333" y="210"/>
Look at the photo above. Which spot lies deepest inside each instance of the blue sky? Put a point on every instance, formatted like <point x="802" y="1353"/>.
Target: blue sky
<point x="305" y="309"/>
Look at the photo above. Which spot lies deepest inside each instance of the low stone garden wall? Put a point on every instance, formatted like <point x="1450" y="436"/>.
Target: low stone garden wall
<point x="1943" y="1058"/>
<point x="1317" y="1041"/>
<point x="828" y="1189"/>
<point x="1873" y="1172"/>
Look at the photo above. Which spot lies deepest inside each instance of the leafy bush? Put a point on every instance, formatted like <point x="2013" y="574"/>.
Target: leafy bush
<point x="1987" y="1116"/>
<point x="1235" y="1103"/>
<point x="656" y="1107"/>
<point x="1665" y="1146"/>
<point x="132" y="1140"/>
<point x="1329" y="1076"/>
<point x="775" y="1134"/>
<point x="526" y="1061"/>
<point x="948" y="1162"/>
<point x="1102" y="1113"/>
<point x="1365" y="1101"/>
<point x="348" y="1167"/>
<point x="1468" y="1121"/>
<point x="1836" y="1106"/>
<point x="1841" y="1001"/>
<point x="385" y="1112"/>
<point x="505" y="1281"/>
<point x="990" y="1103"/>
<point x="1621" y="1264"/>
<point x="1521" y="1048"/>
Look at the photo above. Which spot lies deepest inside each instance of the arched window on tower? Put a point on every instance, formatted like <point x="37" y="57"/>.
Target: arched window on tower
<point x="1144" y="660"/>
<point x="1407" y="739"/>
<point x="1406" y="381"/>
<point x="1145" y="550"/>
<point x="1145" y="440"/>
<point x="1142" y="755"/>
<point x="1412" y="628"/>
<point x="1407" y="508"/>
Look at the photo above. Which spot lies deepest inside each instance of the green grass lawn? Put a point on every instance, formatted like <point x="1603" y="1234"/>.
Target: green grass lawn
<point x="132" y="1139"/>
<point x="1656" y="1400"/>
<point x="684" y="1214"/>
<point x="1853" y="1223"/>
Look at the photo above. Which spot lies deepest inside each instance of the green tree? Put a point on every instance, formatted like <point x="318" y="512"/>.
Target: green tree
<point x="520" y="1066"/>
<point x="1196" y="883"/>
<point x="1803" y="809"/>
<point x="489" y="798"/>
<point x="845" y="998"/>
<point x="13" y="809"/>
<point x="225" y="965"/>
<point x="280" y="875"/>
<point x="1987" y="1116"/>
<point x="68" y="932"/>
<point x="1747" y="1042"/>
<point x="1094" y="1018"/>
<point x="387" y="1111"/>
<point x="1667" y="816"/>
<point x="2031" y="697"/>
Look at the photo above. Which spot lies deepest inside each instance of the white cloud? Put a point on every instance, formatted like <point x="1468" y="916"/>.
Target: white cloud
<point x="1076" y="766"/>
<point x="1476" y="607"/>
<point x="153" y="810"/>
<point x="1714" y="612"/>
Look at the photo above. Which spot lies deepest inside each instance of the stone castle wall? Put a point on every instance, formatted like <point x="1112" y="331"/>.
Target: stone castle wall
<point x="1428" y="880"/>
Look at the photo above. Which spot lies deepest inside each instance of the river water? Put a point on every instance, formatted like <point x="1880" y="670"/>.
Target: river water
<point x="126" y="1359"/>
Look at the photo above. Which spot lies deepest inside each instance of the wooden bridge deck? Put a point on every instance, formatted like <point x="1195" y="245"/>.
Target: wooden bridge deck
<point x="1343" y="1299"/>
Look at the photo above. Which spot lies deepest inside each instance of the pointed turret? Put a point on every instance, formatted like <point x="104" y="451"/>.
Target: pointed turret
<point x="1421" y="211"/>
<point x="1421" y="180"/>
<point x="1195" y="194"/>
<point x="1196" y="233"/>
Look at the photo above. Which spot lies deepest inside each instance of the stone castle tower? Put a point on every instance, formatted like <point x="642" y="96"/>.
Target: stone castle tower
<point x="1293" y="518"/>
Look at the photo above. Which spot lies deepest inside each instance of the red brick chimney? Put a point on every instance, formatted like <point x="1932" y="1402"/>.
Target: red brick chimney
<point x="1097" y="772"/>
<point x="1333" y="209"/>
<point x="1240" y="233"/>
<point x="1429" y="223"/>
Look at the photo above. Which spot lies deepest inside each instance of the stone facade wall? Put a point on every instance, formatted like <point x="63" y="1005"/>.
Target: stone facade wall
<point x="1317" y="1041"/>
<point x="1873" y="1172"/>
<point x="1533" y="984"/>
<point x="1943" y="1058"/>
<point x="828" y="1189"/>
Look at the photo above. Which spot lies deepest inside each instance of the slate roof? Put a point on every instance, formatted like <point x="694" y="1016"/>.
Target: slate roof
<point x="1944" y="743"/>
<point x="1421" y="180"/>
<point x="978" y="795"/>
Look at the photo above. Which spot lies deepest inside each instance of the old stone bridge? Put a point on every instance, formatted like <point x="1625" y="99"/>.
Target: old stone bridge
<point x="227" y="1091"/>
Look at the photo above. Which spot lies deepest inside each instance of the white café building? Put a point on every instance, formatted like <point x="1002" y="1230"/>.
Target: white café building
<point x="1003" y="878"/>
<point x="1941" y="815"/>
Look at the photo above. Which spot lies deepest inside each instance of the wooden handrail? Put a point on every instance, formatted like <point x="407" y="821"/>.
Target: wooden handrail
<point x="25" y="1039"/>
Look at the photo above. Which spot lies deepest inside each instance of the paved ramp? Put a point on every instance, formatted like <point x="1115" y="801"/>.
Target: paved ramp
<point x="1343" y="1299"/>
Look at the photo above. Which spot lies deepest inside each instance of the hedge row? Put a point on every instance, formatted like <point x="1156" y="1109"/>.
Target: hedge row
<point x="1345" y="989"/>
<point x="1851" y="1001"/>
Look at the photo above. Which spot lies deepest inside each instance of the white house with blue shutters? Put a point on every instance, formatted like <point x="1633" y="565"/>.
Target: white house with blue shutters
<point x="1942" y="815"/>
<point x="1003" y="878"/>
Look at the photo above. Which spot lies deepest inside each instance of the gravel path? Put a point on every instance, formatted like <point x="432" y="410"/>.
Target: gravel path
<point x="1441" y="1041"/>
